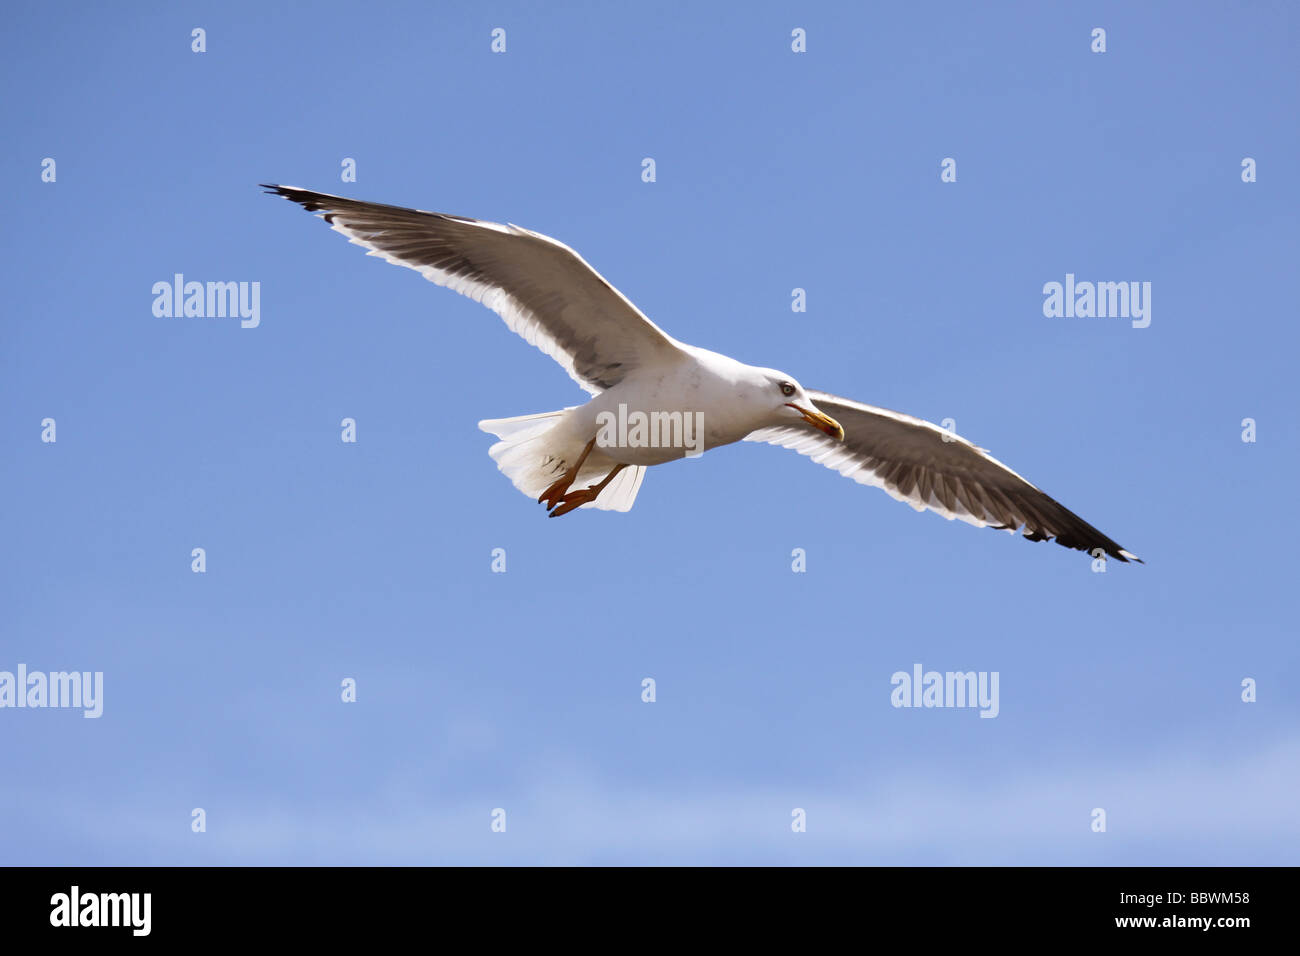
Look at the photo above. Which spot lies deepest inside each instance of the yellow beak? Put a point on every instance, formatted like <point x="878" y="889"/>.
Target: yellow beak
<point x="819" y="421"/>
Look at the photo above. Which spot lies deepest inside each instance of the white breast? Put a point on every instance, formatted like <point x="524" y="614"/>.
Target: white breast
<point x="666" y="412"/>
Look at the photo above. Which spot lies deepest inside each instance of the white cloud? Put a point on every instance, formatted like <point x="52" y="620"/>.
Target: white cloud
<point x="1240" y="809"/>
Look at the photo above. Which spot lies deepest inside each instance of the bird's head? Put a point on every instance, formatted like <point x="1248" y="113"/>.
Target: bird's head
<point x="791" y="403"/>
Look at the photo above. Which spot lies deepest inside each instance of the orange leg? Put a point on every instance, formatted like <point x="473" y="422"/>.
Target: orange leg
<point x="555" y="492"/>
<point x="576" y="499"/>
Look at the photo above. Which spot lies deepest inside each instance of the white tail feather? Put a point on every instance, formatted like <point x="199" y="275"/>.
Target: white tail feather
<point x="527" y="454"/>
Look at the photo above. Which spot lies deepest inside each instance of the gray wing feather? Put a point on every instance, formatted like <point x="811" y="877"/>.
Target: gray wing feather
<point x="543" y="290"/>
<point x="932" y="469"/>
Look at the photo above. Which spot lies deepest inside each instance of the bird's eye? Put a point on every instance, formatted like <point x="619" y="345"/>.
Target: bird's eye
<point x="787" y="389"/>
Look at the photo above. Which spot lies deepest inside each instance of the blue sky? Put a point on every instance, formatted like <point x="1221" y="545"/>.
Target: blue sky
<point x="522" y="691"/>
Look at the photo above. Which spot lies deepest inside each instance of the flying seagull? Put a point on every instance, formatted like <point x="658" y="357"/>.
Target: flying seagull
<point x="596" y="455"/>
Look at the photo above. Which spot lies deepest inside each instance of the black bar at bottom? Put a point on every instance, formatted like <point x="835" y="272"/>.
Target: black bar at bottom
<point x="333" y="904"/>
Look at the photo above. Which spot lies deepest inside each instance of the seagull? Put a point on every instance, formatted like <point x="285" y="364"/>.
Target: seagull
<point x="655" y="399"/>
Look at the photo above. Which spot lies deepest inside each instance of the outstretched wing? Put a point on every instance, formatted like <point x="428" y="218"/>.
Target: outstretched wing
<point x="544" y="290"/>
<point x="931" y="468"/>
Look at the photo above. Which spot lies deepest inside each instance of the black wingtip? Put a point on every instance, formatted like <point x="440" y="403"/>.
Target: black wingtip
<point x="291" y="193"/>
<point x="309" y="199"/>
